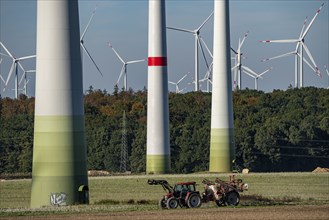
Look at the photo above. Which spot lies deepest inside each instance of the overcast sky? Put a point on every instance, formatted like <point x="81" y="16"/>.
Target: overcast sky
<point x="125" y="25"/>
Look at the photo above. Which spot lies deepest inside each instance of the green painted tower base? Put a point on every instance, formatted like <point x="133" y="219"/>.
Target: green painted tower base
<point x="222" y="150"/>
<point x="157" y="164"/>
<point x="59" y="162"/>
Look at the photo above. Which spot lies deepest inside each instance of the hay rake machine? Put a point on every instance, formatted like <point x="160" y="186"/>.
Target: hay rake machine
<point x="222" y="192"/>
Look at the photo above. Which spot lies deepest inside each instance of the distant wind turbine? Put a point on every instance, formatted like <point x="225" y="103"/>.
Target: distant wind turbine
<point x="82" y="42"/>
<point x="177" y="83"/>
<point x="14" y="67"/>
<point x="300" y="47"/>
<point x="124" y="67"/>
<point x="238" y="64"/>
<point x="254" y="75"/>
<point x="196" y="33"/>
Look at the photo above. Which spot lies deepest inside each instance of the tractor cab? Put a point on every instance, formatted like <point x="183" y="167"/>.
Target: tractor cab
<point x="182" y="188"/>
<point x="183" y="194"/>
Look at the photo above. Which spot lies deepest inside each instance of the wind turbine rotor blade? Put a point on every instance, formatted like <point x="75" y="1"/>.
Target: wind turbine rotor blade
<point x="181" y="90"/>
<point x="207" y="75"/>
<point x="300" y="35"/>
<point x="312" y="60"/>
<point x="84" y="32"/>
<point x="310" y="24"/>
<point x="0" y="60"/>
<point x="236" y="66"/>
<point x="6" y="55"/>
<point x="135" y="61"/>
<point x="202" y="51"/>
<point x="182" y="78"/>
<point x="204" y="43"/>
<point x="280" y="41"/>
<point x="279" y="56"/>
<point x="202" y="80"/>
<point x="234" y="51"/>
<point x="249" y="74"/>
<point x="205" y="21"/>
<point x="2" y="79"/>
<point x="7" y="50"/>
<point x="91" y="58"/>
<point x="20" y="81"/>
<point x="171" y="82"/>
<point x="249" y="70"/>
<point x="24" y="73"/>
<point x="180" y="29"/>
<point x="306" y="61"/>
<point x="9" y="75"/>
<point x="116" y="53"/>
<point x="265" y="72"/>
<point x="243" y="39"/>
<point x="27" y="57"/>
<point x="121" y="73"/>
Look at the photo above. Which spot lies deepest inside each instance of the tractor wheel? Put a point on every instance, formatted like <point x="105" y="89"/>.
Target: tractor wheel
<point x="162" y="203"/>
<point x="232" y="198"/>
<point x="172" y="203"/>
<point x="194" y="201"/>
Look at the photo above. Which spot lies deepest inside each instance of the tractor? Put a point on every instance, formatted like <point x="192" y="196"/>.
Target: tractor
<point x="183" y="194"/>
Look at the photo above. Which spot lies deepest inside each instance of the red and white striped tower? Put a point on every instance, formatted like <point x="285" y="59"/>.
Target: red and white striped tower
<point x="158" y="148"/>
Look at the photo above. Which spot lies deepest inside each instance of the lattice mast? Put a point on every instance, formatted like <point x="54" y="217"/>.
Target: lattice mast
<point x="124" y="145"/>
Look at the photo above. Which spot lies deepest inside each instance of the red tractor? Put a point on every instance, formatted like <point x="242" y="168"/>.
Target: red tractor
<point x="183" y="194"/>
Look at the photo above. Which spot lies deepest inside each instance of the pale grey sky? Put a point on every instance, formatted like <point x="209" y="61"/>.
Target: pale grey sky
<point x="125" y="24"/>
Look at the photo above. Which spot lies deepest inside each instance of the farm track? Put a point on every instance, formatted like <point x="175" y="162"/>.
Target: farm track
<point x="268" y="212"/>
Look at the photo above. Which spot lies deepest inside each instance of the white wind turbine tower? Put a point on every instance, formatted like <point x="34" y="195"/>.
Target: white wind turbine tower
<point x="82" y="42"/>
<point x="177" y="83"/>
<point x="238" y="64"/>
<point x="14" y="67"/>
<point x="254" y="75"/>
<point x="196" y="33"/>
<point x="300" y="47"/>
<point x="124" y="67"/>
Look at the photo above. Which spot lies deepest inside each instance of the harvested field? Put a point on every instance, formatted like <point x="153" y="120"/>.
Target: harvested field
<point x="271" y="212"/>
<point x="270" y="196"/>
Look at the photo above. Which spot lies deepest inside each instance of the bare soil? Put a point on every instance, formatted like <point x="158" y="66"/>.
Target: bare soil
<point x="270" y="212"/>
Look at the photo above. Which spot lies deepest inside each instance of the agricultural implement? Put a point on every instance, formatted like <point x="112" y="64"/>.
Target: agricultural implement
<point x="184" y="194"/>
<point x="223" y="193"/>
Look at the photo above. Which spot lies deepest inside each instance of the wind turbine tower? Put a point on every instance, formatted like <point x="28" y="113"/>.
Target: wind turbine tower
<point x="59" y="169"/>
<point x="158" y="148"/>
<point x="222" y="150"/>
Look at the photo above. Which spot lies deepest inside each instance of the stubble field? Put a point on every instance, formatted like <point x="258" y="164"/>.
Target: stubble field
<point x="270" y="196"/>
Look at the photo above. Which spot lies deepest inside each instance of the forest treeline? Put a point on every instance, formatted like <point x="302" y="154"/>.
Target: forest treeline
<point x="276" y="131"/>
